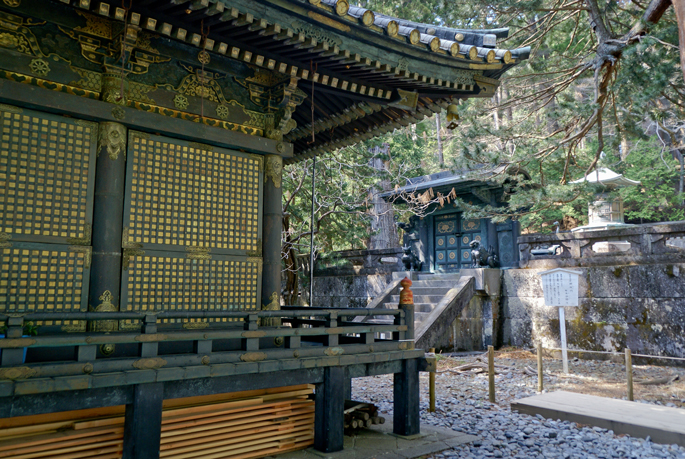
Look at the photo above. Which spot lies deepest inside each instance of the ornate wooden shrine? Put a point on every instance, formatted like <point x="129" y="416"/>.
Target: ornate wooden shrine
<point x="140" y="200"/>
<point x="441" y="238"/>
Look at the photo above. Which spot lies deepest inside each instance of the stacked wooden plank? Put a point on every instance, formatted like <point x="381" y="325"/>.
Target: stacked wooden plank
<point x="239" y="425"/>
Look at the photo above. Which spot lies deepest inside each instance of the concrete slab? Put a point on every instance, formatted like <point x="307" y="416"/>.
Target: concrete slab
<point x="663" y="424"/>
<point x="379" y="442"/>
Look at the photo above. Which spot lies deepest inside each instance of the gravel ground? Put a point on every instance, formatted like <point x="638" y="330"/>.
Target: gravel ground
<point x="462" y="405"/>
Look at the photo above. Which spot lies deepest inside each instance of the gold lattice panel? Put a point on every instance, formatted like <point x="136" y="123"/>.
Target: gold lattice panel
<point x="154" y="281"/>
<point x="181" y="194"/>
<point x="44" y="278"/>
<point x="47" y="164"/>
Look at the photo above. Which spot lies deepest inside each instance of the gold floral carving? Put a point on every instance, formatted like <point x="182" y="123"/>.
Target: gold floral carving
<point x="112" y="137"/>
<point x="96" y="26"/>
<point x="333" y="351"/>
<point x="17" y="373"/>
<point x="105" y="305"/>
<point x="274" y="305"/>
<point x="253" y="357"/>
<point x="149" y="364"/>
<point x="12" y="3"/>
<point x="273" y="169"/>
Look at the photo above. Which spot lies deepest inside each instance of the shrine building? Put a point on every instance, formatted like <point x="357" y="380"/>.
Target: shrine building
<point x="141" y="159"/>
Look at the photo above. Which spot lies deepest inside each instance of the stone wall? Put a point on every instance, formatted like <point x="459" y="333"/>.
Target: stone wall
<point x="637" y="306"/>
<point x="348" y="291"/>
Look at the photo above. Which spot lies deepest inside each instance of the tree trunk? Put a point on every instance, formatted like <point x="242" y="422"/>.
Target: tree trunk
<point x="441" y="159"/>
<point x="383" y="230"/>
<point x="679" y="7"/>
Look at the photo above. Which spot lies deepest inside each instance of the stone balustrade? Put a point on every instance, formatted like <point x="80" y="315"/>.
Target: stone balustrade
<point x="639" y="244"/>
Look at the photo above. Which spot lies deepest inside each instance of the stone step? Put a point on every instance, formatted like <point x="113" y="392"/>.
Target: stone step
<point x="418" y="299"/>
<point x="419" y="317"/>
<point x="430" y="276"/>
<point x="418" y="307"/>
<point x="435" y="283"/>
<point x="432" y="291"/>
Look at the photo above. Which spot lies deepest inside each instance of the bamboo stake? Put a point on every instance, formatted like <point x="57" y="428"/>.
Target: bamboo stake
<point x="491" y="373"/>
<point x="629" y="374"/>
<point x="540" y="373"/>
<point x="431" y="387"/>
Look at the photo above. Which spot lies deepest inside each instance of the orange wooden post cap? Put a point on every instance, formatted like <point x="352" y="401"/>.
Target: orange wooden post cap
<point x="406" y="295"/>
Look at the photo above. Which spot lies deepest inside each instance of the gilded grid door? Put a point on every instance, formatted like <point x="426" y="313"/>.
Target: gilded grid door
<point x="453" y="234"/>
<point x="192" y="227"/>
<point x="47" y="169"/>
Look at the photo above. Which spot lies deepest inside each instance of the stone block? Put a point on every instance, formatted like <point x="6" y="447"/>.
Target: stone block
<point x="518" y="332"/>
<point x="607" y="282"/>
<point x="602" y="310"/>
<point x="658" y="281"/>
<point x="522" y="282"/>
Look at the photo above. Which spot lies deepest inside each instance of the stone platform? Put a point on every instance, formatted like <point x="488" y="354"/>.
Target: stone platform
<point x="662" y="424"/>
<point x="379" y="442"/>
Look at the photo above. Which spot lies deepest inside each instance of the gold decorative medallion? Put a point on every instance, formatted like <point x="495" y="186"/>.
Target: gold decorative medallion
<point x="222" y="112"/>
<point x="273" y="169"/>
<point x="105" y="305"/>
<point x="12" y="3"/>
<point x="204" y="57"/>
<point x="39" y="67"/>
<point x="181" y="102"/>
<point x="118" y="113"/>
<point x="112" y="137"/>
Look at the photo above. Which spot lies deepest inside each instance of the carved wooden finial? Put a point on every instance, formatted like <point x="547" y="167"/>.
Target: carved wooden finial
<point x="406" y="295"/>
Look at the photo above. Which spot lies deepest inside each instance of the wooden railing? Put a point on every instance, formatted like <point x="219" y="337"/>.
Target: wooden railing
<point x="643" y="244"/>
<point x="303" y="333"/>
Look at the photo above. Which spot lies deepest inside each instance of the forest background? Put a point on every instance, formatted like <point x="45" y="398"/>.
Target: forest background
<point x="603" y="87"/>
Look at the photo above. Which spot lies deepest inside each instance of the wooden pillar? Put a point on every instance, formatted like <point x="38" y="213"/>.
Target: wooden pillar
<point x="329" y="423"/>
<point x="143" y="422"/>
<point x="108" y="211"/>
<point x="272" y="223"/>
<point x="406" y="419"/>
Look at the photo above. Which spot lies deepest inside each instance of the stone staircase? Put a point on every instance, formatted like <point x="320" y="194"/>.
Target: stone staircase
<point x="432" y="294"/>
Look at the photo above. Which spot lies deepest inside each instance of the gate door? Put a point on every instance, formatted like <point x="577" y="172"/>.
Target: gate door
<point x="452" y="238"/>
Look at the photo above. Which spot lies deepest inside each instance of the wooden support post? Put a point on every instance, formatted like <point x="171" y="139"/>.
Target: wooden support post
<point x="629" y="374"/>
<point x="348" y="388"/>
<point x="431" y="387"/>
<point x="251" y="324"/>
<point x="108" y="213"/>
<point x="406" y="419"/>
<point x="15" y="329"/>
<point x="329" y="411"/>
<point x="407" y="305"/>
<point x="491" y="373"/>
<point x="149" y="326"/>
<point x="143" y="422"/>
<point x="272" y="222"/>
<point x="332" y="322"/>
<point x="540" y="370"/>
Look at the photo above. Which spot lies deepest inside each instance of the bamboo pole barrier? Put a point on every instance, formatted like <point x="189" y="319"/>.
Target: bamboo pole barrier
<point x="629" y="374"/>
<point x="431" y="387"/>
<point x="540" y="371"/>
<point x="491" y="373"/>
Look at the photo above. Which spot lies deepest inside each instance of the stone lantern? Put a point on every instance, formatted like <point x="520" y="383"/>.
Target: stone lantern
<point x="605" y="212"/>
